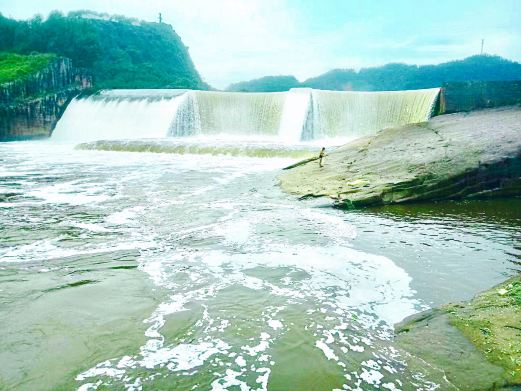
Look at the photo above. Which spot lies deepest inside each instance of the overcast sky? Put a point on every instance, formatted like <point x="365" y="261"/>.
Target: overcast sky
<point x="233" y="40"/>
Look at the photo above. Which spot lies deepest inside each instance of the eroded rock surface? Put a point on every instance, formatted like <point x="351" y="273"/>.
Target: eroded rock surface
<point x="455" y="156"/>
<point x="468" y="346"/>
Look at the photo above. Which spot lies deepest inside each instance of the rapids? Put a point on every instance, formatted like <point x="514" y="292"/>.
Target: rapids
<point x="161" y="271"/>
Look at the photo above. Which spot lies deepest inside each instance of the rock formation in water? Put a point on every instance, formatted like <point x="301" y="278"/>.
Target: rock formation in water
<point x="31" y="106"/>
<point x="468" y="346"/>
<point x="450" y="157"/>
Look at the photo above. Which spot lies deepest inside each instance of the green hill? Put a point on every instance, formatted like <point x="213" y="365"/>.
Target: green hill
<point x="266" y="84"/>
<point x="398" y="76"/>
<point x="119" y="52"/>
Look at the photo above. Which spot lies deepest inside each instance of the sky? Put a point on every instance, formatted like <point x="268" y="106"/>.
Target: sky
<point x="235" y="40"/>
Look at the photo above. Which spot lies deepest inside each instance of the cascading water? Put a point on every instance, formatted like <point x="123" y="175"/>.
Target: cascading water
<point x="301" y="114"/>
<point x="356" y="114"/>
<point x="294" y="115"/>
<point x="119" y="114"/>
<point x="187" y="120"/>
<point x="250" y="114"/>
<point x="286" y="117"/>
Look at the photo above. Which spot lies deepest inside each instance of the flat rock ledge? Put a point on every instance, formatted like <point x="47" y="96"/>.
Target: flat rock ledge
<point x="463" y="155"/>
<point x="467" y="346"/>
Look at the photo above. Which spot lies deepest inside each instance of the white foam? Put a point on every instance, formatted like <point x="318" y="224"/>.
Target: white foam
<point x="125" y="216"/>
<point x="73" y="193"/>
<point x="328" y="352"/>
<point x="240" y="361"/>
<point x="275" y="324"/>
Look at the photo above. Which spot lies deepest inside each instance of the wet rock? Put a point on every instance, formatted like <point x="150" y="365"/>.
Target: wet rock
<point x="454" y="156"/>
<point x="468" y="346"/>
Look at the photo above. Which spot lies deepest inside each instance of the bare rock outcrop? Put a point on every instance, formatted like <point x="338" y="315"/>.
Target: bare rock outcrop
<point x="463" y="155"/>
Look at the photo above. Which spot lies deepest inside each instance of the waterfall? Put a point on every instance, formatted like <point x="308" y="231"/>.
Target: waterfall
<point x="357" y="114"/>
<point x="294" y="114"/>
<point x="250" y="114"/>
<point x="302" y="113"/>
<point x="119" y="114"/>
<point x="187" y="120"/>
<point x="287" y="117"/>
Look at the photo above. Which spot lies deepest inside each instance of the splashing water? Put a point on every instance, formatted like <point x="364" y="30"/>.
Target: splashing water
<point x="356" y="114"/>
<point x="161" y="271"/>
<point x="119" y="114"/>
<point x="288" y="117"/>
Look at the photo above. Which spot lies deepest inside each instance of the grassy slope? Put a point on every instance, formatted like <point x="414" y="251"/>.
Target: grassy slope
<point x="15" y="66"/>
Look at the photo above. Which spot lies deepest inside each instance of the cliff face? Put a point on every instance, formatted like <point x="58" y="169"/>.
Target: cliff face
<point x="31" y="107"/>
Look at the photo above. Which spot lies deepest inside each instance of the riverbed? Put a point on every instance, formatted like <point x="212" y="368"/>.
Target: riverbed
<point x="123" y="270"/>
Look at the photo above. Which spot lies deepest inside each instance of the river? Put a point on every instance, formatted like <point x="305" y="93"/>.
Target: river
<point x="123" y="270"/>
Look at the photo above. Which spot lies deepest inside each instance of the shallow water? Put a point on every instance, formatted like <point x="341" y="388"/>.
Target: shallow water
<point x="158" y="271"/>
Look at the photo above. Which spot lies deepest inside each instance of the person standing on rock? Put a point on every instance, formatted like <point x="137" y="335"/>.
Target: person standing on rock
<point x="321" y="157"/>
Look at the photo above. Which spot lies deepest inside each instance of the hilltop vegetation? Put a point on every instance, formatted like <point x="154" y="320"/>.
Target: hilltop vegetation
<point x="119" y="52"/>
<point x="122" y="52"/>
<point x="266" y="84"/>
<point x="392" y="77"/>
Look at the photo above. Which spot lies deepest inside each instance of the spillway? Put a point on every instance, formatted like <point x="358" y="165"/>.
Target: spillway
<point x="119" y="114"/>
<point x="288" y="117"/>
<point x="356" y="114"/>
<point x="250" y="114"/>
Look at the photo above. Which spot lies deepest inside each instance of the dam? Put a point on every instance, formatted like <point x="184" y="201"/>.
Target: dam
<point x="285" y="117"/>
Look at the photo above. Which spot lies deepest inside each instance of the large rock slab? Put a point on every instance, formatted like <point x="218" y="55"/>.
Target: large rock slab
<point x="454" y="156"/>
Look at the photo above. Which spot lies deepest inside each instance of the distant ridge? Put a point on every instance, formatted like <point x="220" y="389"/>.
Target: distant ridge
<point x="392" y="77"/>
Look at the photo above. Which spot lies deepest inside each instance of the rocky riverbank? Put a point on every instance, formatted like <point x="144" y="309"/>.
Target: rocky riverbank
<point x="30" y="107"/>
<point x="454" y="156"/>
<point x="468" y="346"/>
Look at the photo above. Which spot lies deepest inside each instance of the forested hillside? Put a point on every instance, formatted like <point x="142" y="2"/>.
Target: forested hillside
<point x="401" y="76"/>
<point x="119" y="52"/>
<point x="266" y="84"/>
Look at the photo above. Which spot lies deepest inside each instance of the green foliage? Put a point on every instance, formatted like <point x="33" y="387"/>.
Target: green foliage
<point x="515" y="292"/>
<point x="15" y="66"/>
<point x="266" y="84"/>
<point x="392" y="77"/>
<point x="120" y="52"/>
<point x="404" y="77"/>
